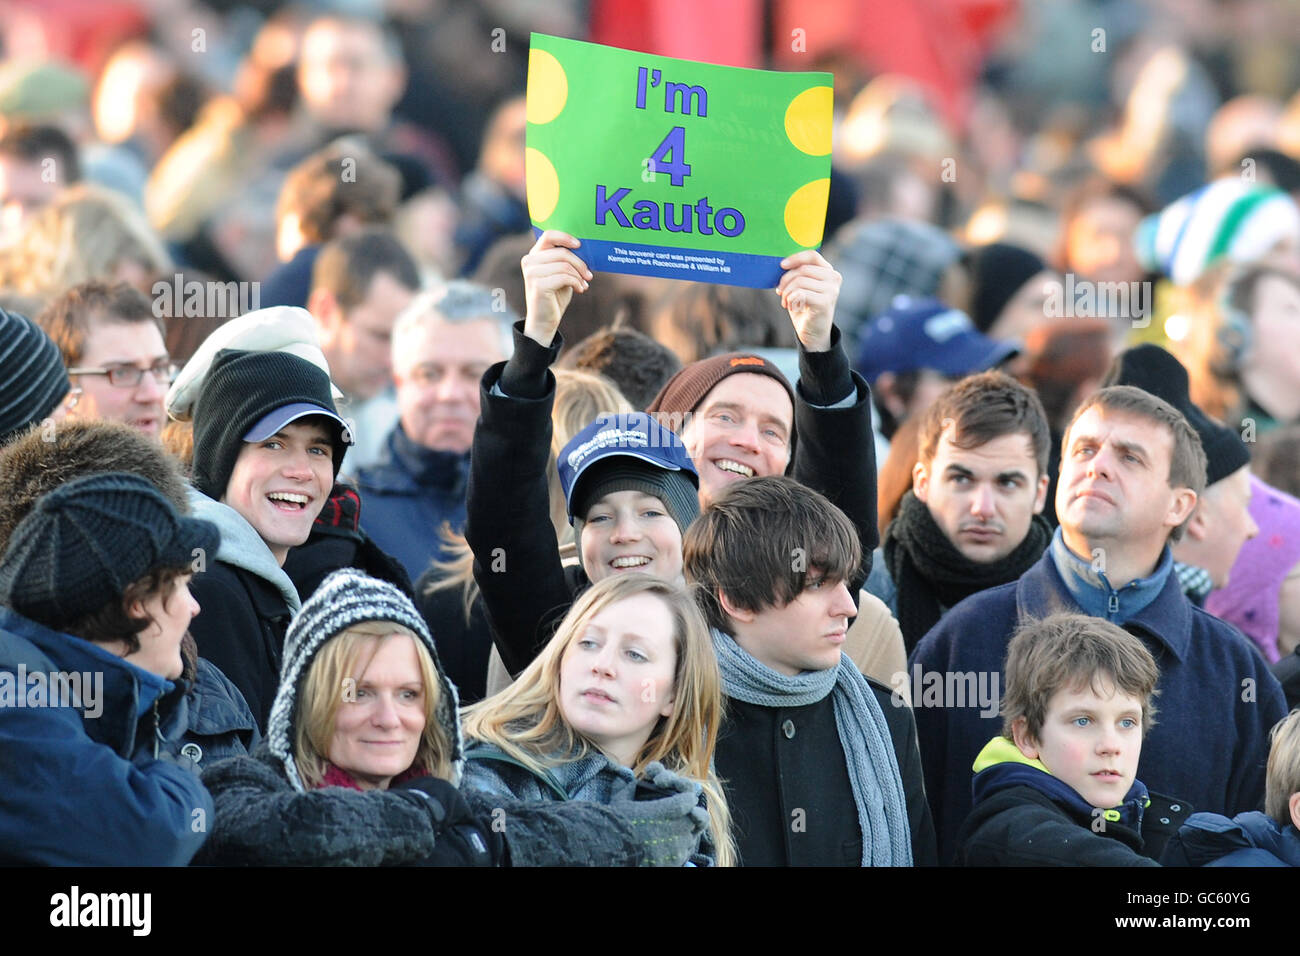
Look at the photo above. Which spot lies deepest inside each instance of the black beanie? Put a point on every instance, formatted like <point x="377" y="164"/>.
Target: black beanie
<point x="997" y="271"/>
<point x="32" y="378"/>
<point x="83" y="543"/>
<point x="623" y="473"/>
<point x="1152" y="369"/>
<point x="242" y="388"/>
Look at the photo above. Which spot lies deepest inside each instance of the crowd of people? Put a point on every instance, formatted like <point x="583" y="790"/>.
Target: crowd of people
<point x="345" y="519"/>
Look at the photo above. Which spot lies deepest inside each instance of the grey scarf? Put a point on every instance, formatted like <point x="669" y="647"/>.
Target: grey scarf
<point x="873" y="769"/>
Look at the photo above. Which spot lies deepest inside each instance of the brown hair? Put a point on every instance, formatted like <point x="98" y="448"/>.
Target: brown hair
<point x="113" y="623"/>
<point x="338" y="181"/>
<point x="1186" y="464"/>
<point x="981" y="408"/>
<point x="895" y="477"/>
<point x="69" y="318"/>
<point x="348" y="265"/>
<point x="1069" y="652"/>
<point x="759" y="541"/>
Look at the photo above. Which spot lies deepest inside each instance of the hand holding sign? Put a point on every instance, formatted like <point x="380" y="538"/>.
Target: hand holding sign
<point x="551" y="275"/>
<point x="808" y="291"/>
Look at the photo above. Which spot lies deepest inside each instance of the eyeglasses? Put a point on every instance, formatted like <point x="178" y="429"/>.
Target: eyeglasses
<point x="128" y="376"/>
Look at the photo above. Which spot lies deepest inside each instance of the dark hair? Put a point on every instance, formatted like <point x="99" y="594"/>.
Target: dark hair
<point x="37" y="142"/>
<point x="1062" y="356"/>
<point x="637" y="364"/>
<point x="1068" y="652"/>
<point x="702" y="319"/>
<point x="895" y="477"/>
<point x="981" y="408"/>
<point x="759" y="541"/>
<point x="112" y="623"/>
<point x="348" y="265"/>
<point x="32" y="466"/>
<point x="344" y="179"/>
<point x="69" y="318"/>
<point x="1187" y="464"/>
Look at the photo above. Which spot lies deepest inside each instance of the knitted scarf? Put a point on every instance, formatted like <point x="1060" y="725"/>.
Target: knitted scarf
<point x="930" y="574"/>
<point x="864" y="737"/>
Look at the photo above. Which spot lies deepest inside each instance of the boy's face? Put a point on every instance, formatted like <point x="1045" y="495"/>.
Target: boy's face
<point x="630" y="531"/>
<point x="281" y="484"/>
<point x="1088" y="741"/>
<point x="805" y="635"/>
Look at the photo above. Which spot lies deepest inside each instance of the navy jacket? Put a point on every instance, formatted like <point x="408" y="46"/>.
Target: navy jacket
<point x="1217" y="699"/>
<point x="408" y="495"/>
<point x="1249" y="839"/>
<point x="99" y="789"/>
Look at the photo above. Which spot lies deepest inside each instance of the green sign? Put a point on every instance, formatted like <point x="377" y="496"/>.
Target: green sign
<point x="675" y="168"/>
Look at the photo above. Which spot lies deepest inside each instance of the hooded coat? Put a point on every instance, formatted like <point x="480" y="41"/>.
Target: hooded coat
<point x="99" y="788"/>
<point x="265" y="816"/>
<point x="1248" y="839"/>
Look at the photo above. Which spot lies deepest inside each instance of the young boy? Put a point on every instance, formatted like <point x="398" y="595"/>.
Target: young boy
<point x="1271" y="838"/>
<point x="1060" y="787"/>
<point x="820" y="767"/>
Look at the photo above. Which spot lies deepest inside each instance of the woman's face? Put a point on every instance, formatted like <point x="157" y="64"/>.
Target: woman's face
<point x="630" y="531"/>
<point x="616" y="677"/>
<point x="169" y="613"/>
<point x="380" y="721"/>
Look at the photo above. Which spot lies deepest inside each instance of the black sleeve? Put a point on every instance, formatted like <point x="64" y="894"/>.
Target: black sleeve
<point x="835" y="451"/>
<point x="902" y="728"/>
<point x="1029" y="834"/>
<point x="229" y="634"/>
<point x="508" y="514"/>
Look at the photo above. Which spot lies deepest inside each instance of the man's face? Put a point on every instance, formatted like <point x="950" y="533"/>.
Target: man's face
<point x="805" y="635"/>
<point x="23" y="191"/>
<point x="984" y="497"/>
<point x="346" y="78"/>
<point x="1089" y="741"/>
<point x="281" y="484"/>
<point x="110" y="344"/>
<point x="438" y="375"/>
<point x="1114" y="483"/>
<point x="741" y="429"/>
<point x="358" y="342"/>
<point x="1221" y="525"/>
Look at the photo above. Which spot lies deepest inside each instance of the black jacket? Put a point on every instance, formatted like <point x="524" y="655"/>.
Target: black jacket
<point x="464" y="646"/>
<point x="776" y="762"/>
<point x="241" y="628"/>
<point x="526" y="590"/>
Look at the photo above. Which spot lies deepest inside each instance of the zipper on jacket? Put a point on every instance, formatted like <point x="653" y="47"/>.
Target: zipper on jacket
<point x="157" y="729"/>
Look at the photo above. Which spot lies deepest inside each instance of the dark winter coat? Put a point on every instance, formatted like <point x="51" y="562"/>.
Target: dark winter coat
<point x="246" y="602"/>
<point x="526" y="589"/>
<point x="1024" y="816"/>
<point x="93" y="790"/>
<point x="1287" y="671"/>
<point x="1248" y="839"/>
<point x="408" y="496"/>
<point x="787" y="784"/>
<point x="464" y="646"/>
<point x="1217" y="698"/>
<point x="221" y="724"/>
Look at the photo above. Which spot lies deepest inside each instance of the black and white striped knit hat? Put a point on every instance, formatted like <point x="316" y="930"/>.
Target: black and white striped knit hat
<point x="344" y="599"/>
<point x="32" y="378"/>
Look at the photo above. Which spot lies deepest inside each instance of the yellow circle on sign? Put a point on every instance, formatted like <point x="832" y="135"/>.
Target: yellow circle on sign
<point x="808" y="121"/>
<point x="543" y="185"/>
<point x="805" y="212"/>
<point x="548" y="87"/>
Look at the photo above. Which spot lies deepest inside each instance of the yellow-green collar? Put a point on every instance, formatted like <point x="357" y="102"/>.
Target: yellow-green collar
<point x="1001" y="750"/>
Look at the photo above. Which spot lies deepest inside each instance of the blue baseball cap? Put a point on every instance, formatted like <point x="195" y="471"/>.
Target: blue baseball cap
<point x="637" y="451"/>
<point x="925" y="333"/>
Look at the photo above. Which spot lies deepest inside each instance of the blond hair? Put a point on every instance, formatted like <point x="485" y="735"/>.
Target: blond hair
<point x="341" y="662"/>
<point x="1283" y="775"/>
<point x="525" y="720"/>
<point x="86" y="233"/>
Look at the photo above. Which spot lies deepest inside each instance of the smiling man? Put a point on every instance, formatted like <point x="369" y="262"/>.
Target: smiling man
<point x="1131" y="472"/>
<point x="973" y="517"/>
<point x="267" y="446"/>
<point x="112" y="345"/>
